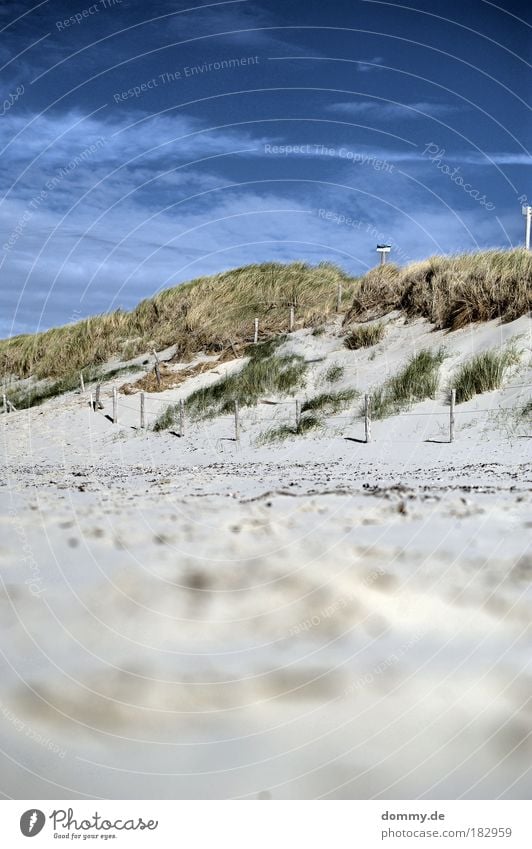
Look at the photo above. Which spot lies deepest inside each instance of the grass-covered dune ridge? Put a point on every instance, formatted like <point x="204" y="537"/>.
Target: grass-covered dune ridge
<point x="450" y="291"/>
<point x="211" y="312"/>
<point x="205" y="314"/>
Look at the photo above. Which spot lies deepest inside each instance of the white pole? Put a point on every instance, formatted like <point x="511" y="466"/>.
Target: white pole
<point x="291" y="319"/>
<point x="4" y="401"/>
<point x="81" y="381"/>
<point x="367" y="417"/>
<point x="298" y="414"/>
<point x="256" y="335"/>
<point x="115" y="406"/>
<point x="181" y="418"/>
<point x="451" y="415"/>
<point x="237" y="423"/>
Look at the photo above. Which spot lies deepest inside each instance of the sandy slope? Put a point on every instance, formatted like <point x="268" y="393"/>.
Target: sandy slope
<point x="196" y="618"/>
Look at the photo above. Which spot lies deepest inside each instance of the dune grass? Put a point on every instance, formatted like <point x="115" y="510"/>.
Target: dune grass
<point x="33" y="395"/>
<point x="450" y="291"/>
<point x="330" y="403"/>
<point x="417" y="381"/>
<point x="334" y="373"/>
<point x="483" y="373"/>
<point x="307" y="423"/>
<point x="365" y="336"/>
<point x="265" y="372"/>
<point x="209" y="313"/>
<point x="205" y="314"/>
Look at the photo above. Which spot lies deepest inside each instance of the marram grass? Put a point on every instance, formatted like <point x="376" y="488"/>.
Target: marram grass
<point x="483" y="373"/>
<point x="417" y="381"/>
<point x="209" y="313"/>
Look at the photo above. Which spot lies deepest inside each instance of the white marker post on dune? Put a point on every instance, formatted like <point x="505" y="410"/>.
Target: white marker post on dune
<point x="527" y="212"/>
<point x="181" y="418"/>
<point x="142" y="411"/>
<point x="451" y="415"/>
<point x="367" y="417"/>
<point x="237" y="423"/>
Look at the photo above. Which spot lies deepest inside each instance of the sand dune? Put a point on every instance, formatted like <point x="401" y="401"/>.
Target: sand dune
<point x="320" y="618"/>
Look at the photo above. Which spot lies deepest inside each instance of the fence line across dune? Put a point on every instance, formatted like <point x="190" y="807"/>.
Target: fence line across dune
<point x="450" y="413"/>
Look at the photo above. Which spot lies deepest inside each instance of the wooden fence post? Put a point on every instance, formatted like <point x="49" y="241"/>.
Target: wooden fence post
<point x="451" y="415"/>
<point x="298" y="414"/>
<point x="142" y="411"/>
<point x="367" y="417"/>
<point x="256" y="334"/>
<point x="157" y="369"/>
<point x="181" y="418"/>
<point x="237" y="423"/>
<point x="291" y="320"/>
<point x="91" y="402"/>
<point x="81" y="382"/>
<point x="339" y="298"/>
<point x="4" y="401"/>
<point x="97" y="403"/>
<point x="115" y="406"/>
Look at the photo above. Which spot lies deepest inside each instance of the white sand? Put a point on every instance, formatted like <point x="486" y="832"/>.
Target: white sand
<point x="187" y="618"/>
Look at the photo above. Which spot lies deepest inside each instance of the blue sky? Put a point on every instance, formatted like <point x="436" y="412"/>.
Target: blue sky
<point x="143" y="144"/>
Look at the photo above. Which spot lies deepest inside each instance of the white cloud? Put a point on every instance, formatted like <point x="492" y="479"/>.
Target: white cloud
<point x="379" y="110"/>
<point x="368" y="65"/>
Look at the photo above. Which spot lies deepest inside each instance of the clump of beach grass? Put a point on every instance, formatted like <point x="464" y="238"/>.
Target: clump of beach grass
<point x="308" y="422"/>
<point x="417" y="381"/>
<point x="365" y="336"/>
<point x="33" y="395"/>
<point x="265" y="372"/>
<point x="334" y="373"/>
<point x="330" y="403"/>
<point x="483" y="373"/>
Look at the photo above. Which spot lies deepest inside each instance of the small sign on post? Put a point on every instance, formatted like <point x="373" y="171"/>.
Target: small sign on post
<point x="367" y="417"/>
<point x="383" y="250"/>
